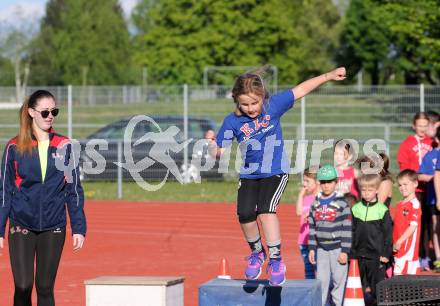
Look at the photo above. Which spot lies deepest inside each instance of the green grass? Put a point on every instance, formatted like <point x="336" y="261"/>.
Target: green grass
<point x="173" y="191"/>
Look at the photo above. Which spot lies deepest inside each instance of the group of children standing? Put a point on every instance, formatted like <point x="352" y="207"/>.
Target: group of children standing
<point x="419" y="152"/>
<point x="344" y="213"/>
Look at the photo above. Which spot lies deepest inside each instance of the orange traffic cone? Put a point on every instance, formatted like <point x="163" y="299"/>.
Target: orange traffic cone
<point x="353" y="292"/>
<point x="224" y="269"/>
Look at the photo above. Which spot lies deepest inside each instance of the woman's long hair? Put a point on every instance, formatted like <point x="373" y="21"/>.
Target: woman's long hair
<point x="24" y="138"/>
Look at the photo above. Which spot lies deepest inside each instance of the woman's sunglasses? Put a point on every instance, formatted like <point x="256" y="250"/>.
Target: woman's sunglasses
<point x="45" y="113"/>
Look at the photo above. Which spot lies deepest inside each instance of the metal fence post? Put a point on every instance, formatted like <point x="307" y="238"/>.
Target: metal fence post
<point x="360" y="81"/>
<point x="69" y="112"/>
<point x="303" y="133"/>
<point x="124" y="94"/>
<point x="298" y="132"/>
<point x="303" y="118"/>
<point x="185" y="132"/>
<point x="422" y="98"/>
<point x="275" y="79"/>
<point x="205" y="78"/>
<point x="119" y="169"/>
<point x="386" y="136"/>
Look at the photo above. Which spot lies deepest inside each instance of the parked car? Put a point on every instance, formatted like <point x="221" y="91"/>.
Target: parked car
<point x="153" y="169"/>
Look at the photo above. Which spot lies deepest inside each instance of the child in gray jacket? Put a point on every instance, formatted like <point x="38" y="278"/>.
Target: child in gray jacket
<point x="330" y="235"/>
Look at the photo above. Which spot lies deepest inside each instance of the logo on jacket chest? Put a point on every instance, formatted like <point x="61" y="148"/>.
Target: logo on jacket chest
<point x="325" y="213"/>
<point x="424" y="148"/>
<point x="248" y="129"/>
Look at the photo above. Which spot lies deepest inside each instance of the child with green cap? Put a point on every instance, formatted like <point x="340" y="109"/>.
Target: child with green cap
<point x="330" y="235"/>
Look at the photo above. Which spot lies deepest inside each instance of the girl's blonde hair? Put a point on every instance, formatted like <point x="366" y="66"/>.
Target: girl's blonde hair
<point x="24" y="138"/>
<point x="250" y="82"/>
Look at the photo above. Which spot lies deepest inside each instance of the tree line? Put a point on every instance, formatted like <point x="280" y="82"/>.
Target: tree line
<point x="89" y="42"/>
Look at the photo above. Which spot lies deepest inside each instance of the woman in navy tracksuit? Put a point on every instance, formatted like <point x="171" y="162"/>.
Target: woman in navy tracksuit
<point x="39" y="178"/>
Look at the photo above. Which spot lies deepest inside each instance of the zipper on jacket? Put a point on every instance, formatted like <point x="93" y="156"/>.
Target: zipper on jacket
<point x="41" y="214"/>
<point x="47" y="164"/>
<point x="366" y="214"/>
<point x="42" y="183"/>
<point x="41" y="227"/>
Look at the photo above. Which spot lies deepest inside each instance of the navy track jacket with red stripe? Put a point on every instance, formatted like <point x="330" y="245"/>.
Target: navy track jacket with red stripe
<point x="36" y="205"/>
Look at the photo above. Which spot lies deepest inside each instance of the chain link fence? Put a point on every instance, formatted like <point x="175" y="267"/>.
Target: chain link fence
<point x="331" y="112"/>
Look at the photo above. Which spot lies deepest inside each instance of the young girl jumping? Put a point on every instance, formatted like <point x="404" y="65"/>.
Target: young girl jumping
<point x="255" y="123"/>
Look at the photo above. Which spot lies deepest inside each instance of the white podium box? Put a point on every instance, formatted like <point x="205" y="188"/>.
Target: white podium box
<point x="134" y="291"/>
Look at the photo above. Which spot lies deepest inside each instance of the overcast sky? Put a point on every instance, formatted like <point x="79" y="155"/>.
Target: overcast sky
<point x="15" y="11"/>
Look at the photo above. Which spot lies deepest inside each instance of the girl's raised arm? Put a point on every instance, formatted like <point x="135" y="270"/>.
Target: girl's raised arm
<point x="306" y="87"/>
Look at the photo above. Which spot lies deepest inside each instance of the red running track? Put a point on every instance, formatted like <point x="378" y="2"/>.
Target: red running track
<point x="157" y="239"/>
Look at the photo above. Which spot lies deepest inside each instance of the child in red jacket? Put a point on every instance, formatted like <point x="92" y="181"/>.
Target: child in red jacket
<point x="414" y="147"/>
<point x="410" y="156"/>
